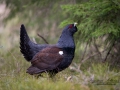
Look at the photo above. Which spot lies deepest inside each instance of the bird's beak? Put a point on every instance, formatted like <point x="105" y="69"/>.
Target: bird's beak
<point x="75" y="24"/>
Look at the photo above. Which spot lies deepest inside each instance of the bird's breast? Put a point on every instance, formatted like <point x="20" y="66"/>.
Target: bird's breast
<point x="68" y="54"/>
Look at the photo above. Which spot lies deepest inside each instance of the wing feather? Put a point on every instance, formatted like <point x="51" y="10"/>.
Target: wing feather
<point x="47" y="59"/>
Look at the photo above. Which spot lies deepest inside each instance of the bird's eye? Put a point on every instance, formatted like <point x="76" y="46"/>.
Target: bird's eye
<point x="70" y="26"/>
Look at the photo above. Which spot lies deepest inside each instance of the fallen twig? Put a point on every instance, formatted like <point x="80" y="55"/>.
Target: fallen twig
<point x="91" y="57"/>
<point x="43" y="38"/>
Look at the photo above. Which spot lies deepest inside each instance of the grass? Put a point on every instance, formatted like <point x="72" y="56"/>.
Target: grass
<point x="13" y="76"/>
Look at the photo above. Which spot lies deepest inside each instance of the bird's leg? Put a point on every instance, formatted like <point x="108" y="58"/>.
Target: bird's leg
<point x="38" y="75"/>
<point x="52" y="74"/>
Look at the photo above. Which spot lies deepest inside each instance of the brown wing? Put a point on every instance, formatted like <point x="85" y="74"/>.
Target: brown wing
<point x="47" y="59"/>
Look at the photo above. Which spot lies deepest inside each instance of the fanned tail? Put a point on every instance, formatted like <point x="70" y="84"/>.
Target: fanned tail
<point x="27" y="47"/>
<point x="24" y="44"/>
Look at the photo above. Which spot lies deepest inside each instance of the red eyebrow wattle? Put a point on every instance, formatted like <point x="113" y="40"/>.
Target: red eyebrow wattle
<point x="70" y="26"/>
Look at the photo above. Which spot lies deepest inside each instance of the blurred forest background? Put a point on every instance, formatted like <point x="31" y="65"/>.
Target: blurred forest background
<point x="97" y="42"/>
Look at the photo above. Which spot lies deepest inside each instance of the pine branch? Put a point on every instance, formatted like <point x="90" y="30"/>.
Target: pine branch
<point x="83" y="55"/>
<point x="84" y="51"/>
<point x="108" y="52"/>
<point x="96" y="47"/>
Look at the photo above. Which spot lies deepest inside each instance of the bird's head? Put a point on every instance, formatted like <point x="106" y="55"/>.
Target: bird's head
<point x="66" y="38"/>
<point x="71" y="28"/>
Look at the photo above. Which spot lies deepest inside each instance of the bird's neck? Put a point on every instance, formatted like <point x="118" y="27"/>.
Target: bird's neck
<point x="66" y="40"/>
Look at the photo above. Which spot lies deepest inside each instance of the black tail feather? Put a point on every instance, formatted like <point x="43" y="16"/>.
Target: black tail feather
<point x="24" y="44"/>
<point x="27" y="47"/>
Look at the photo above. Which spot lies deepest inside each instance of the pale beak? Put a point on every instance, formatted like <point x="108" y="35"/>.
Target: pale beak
<point x="75" y="24"/>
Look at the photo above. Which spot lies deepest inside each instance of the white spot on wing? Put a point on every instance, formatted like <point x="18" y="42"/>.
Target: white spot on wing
<point x="61" y="52"/>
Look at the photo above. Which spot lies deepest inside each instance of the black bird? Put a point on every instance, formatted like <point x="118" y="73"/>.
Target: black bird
<point x="48" y="58"/>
